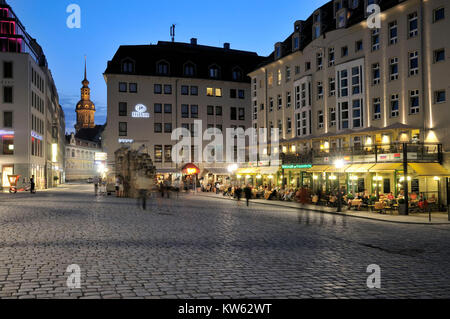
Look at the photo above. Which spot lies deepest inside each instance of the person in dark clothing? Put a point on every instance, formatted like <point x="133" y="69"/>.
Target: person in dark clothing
<point x="32" y="185"/>
<point x="238" y="193"/>
<point x="248" y="194"/>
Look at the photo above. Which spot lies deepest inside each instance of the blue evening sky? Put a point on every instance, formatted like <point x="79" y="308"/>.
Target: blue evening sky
<point x="253" y="25"/>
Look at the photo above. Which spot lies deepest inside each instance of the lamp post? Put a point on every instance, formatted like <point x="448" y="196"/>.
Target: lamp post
<point x="339" y="164"/>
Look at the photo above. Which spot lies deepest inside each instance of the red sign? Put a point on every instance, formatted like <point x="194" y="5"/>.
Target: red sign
<point x="190" y="169"/>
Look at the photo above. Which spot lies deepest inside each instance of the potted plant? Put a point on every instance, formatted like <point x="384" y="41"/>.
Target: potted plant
<point x="402" y="206"/>
<point x="350" y="196"/>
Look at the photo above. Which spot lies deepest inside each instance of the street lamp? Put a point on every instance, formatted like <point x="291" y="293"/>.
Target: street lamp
<point x="339" y="164"/>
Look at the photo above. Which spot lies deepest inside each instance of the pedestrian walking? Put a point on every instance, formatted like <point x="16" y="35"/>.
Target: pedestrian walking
<point x="238" y="193"/>
<point x="96" y="182"/>
<point x="143" y="184"/>
<point x="32" y="185"/>
<point x="248" y="194"/>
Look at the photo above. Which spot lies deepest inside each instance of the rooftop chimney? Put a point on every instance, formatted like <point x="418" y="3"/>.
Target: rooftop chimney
<point x="226" y="46"/>
<point x="194" y="41"/>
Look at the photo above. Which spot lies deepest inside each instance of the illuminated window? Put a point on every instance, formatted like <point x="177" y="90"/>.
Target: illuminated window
<point x="158" y="153"/>
<point x="218" y="92"/>
<point x="210" y="92"/>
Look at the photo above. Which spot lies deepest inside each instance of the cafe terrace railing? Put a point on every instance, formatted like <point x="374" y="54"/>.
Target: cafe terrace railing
<point x="391" y="153"/>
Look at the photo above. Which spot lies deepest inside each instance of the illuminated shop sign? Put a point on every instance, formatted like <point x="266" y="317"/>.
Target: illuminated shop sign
<point x="292" y="166"/>
<point x="141" y="112"/>
<point x="125" y="141"/>
<point x="3" y="132"/>
<point x="37" y="136"/>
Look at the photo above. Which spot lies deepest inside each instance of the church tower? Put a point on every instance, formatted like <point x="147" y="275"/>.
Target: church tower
<point x="85" y="108"/>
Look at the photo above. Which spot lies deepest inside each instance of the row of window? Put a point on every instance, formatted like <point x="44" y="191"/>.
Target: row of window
<point x="37" y="102"/>
<point x="168" y="128"/>
<point x="166" y="89"/>
<point x="438" y="15"/>
<point x="189" y="70"/>
<point x="36" y="147"/>
<point x="37" y="80"/>
<point x="345" y="116"/>
<point x="37" y="124"/>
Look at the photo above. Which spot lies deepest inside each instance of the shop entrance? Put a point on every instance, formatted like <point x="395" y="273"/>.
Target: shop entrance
<point x="6" y="170"/>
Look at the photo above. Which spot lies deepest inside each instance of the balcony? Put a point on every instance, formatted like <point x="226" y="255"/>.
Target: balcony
<point x="391" y="153"/>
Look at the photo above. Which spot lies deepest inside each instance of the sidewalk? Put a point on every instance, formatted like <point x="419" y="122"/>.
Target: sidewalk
<point x="436" y="218"/>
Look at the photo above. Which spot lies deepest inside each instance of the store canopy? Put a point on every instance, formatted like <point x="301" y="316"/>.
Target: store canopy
<point x="247" y="170"/>
<point x="429" y="169"/>
<point x="359" y="168"/>
<point x="218" y="171"/>
<point x="334" y="169"/>
<point x="270" y="170"/>
<point x="385" y="167"/>
<point x="318" y="169"/>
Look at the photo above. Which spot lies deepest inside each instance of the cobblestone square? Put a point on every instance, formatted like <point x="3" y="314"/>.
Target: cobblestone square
<point x="197" y="247"/>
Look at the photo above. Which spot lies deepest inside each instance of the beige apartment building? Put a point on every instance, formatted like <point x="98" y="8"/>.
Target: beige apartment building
<point x="340" y="88"/>
<point x="154" y="89"/>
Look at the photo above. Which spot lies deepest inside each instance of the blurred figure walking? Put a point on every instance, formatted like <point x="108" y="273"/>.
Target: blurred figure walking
<point x="248" y="194"/>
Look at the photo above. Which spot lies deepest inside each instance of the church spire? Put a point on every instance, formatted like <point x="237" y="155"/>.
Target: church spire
<point x="85" y="82"/>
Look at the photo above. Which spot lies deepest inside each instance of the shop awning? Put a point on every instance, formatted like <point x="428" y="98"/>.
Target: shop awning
<point x="318" y="169"/>
<point x="385" y="167"/>
<point x="270" y="170"/>
<point x="429" y="169"/>
<point x="247" y="170"/>
<point x="334" y="169"/>
<point x="217" y="171"/>
<point x="359" y="168"/>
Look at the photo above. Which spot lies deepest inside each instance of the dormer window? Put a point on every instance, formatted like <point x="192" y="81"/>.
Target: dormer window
<point x="214" y="72"/>
<point x="277" y="51"/>
<point x="189" y="69"/>
<point x="128" y="66"/>
<point x="296" y="43"/>
<point x="316" y="31"/>
<point x="163" y="68"/>
<point x="237" y="74"/>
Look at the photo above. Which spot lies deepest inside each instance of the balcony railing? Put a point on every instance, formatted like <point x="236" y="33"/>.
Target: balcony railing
<point x="416" y="152"/>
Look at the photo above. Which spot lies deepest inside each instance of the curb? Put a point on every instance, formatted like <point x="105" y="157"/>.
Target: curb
<point x="339" y="214"/>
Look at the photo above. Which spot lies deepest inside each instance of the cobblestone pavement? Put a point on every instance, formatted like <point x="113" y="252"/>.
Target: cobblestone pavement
<point x="197" y="247"/>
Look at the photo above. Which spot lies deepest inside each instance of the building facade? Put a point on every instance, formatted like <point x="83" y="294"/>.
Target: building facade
<point x="154" y="89"/>
<point x="32" y="122"/>
<point x="342" y="88"/>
